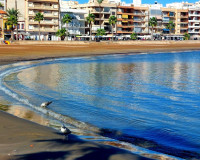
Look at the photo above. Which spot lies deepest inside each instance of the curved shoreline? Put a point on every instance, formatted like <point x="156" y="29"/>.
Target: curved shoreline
<point x="52" y="56"/>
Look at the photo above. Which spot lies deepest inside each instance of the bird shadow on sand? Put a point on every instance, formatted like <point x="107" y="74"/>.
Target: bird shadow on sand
<point x="77" y="149"/>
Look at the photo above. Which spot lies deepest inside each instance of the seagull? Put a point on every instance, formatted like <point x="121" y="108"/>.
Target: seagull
<point x="65" y="131"/>
<point x="45" y="104"/>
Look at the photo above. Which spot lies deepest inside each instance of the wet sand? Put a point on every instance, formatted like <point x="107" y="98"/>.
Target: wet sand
<point x="25" y="140"/>
<point x="22" y="139"/>
<point x="32" y="50"/>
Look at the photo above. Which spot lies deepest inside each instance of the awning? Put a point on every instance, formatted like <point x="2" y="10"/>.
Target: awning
<point x="165" y="29"/>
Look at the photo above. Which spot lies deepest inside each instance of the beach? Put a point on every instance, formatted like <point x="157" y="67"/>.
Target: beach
<point x="22" y="139"/>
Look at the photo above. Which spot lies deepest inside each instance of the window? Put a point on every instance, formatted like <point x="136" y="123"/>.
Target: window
<point x="30" y="27"/>
<point x="22" y="26"/>
<point x="113" y="13"/>
<point x="18" y="26"/>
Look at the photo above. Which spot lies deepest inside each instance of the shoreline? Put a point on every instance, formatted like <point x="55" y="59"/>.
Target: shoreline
<point x="31" y="51"/>
<point x="7" y="59"/>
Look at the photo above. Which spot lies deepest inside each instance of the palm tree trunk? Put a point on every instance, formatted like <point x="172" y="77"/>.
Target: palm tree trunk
<point x="39" y="30"/>
<point x="17" y="32"/>
<point x="12" y="35"/>
<point x="90" y="31"/>
<point x="152" y="33"/>
<point x="66" y="31"/>
<point x="112" y="31"/>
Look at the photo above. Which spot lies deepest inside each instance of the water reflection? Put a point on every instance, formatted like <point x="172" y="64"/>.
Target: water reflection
<point x="139" y="95"/>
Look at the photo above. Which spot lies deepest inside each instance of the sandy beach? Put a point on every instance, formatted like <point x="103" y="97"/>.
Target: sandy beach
<point x="32" y="50"/>
<point x="22" y="139"/>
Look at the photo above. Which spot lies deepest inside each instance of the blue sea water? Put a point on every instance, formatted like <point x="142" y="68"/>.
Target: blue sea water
<point x="150" y="100"/>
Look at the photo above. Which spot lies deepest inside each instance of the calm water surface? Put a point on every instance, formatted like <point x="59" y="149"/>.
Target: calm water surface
<point x="150" y="100"/>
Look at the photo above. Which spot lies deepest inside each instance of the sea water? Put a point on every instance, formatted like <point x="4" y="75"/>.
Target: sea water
<point x="149" y="100"/>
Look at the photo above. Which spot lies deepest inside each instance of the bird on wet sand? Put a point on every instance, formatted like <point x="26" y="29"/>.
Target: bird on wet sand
<point x="45" y="104"/>
<point x="65" y="131"/>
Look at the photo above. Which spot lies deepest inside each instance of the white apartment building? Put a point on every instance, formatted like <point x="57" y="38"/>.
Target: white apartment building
<point x="194" y="22"/>
<point x="20" y="5"/>
<point x="77" y="26"/>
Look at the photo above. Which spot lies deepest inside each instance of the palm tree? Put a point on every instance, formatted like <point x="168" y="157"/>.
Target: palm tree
<point x="134" y="36"/>
<point x="170" y="26"/>
<point x="100" y="1"/>
<point x="186" y="36"/>
<point x="112" y="22"/>
<point x="101" y="32"/>
<point x="13" y="15"/>
<point x="90" y="19"/>
<point x="39" y="17"/>
<point x="61" y="33"/>
<point x="152" y="23"/>
<point x="1" y="5"/>
<point x="66" y="19"/>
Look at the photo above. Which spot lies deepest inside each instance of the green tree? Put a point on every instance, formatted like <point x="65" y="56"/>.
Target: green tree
<point x="61" y="33"/>
<point x="99" y="2"/>
<point x="134" y="36"/>
<point x="153" y="23"/>
<point x="112" y="22"/>
<point x="1" y="5"/>
<point x="170" y="26"/>
<point x="186" y="36"/>
<point x="13" y="15"/>
<point x="90" y="19"/>
<point x="66" y="19"/>
<point x="39" y="17"/>
<point x="101" y="32"/>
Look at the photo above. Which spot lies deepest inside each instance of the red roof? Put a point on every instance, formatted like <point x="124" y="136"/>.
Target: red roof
<point x="2" y="12"/>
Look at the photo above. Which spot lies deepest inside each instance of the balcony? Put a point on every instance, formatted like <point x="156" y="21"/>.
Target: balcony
<point x="125" y="13"/>
<point x="194" y="20"/>
<point x="193" y="31"/>
<point x="195" y="15"/>
<point x="138" y="14"/>
<point x="44" y="23"/>
<point x="125" y="32"/>
<point x="41" y="7"/>
<point x="122" y="19"/>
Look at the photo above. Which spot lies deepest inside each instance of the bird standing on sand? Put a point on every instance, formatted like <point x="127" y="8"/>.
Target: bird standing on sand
<point x="65" y="131"/>
<point x="45" y="104"/>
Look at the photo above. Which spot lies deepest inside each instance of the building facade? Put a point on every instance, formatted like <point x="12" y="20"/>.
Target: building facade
<point x="48" y="26"/>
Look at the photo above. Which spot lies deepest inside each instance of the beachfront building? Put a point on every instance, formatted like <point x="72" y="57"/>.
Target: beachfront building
<point x="125" y="22"/>
<point x="77" y="26"/>
<point x="194" y="22"/>
<point x="48" y="26"/>
<point x="5" y="32"/>
<point x="102" y="13"/>
<point x="141" y="20"/>
<point x="132" y="19"/>
<point x="3" y="3"/>
<point x="20" y="6"/>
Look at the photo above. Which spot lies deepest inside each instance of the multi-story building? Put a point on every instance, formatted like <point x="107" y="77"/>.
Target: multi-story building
<point x="125" y="24"/>
<point x="20" y="5"/>
<point x="48" y="26"/>
<point x="102" y="13"/>
<point x="3" y="28"/>
<point x="141" y="20"/>
<point x="194" y="22"/>
<point x="181" y="21"/>
<point x="77" y="26"/>
<point x="3" y="3"/>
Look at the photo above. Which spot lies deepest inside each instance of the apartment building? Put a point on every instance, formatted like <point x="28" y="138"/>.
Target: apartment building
<point x="4" y="31"/>
<point x="102" y="13"/>
<point x="3" y="3"/>
<point x="77" y="26"/>
<point x="194" y="22"/>
<point x="181" y="21"/>
<point x="48" y="26"/>
<point x="141" y="20"/>
<point x="125" y="24"/>
<point x="132" y="19"/>
<point x="20" y="5"/>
